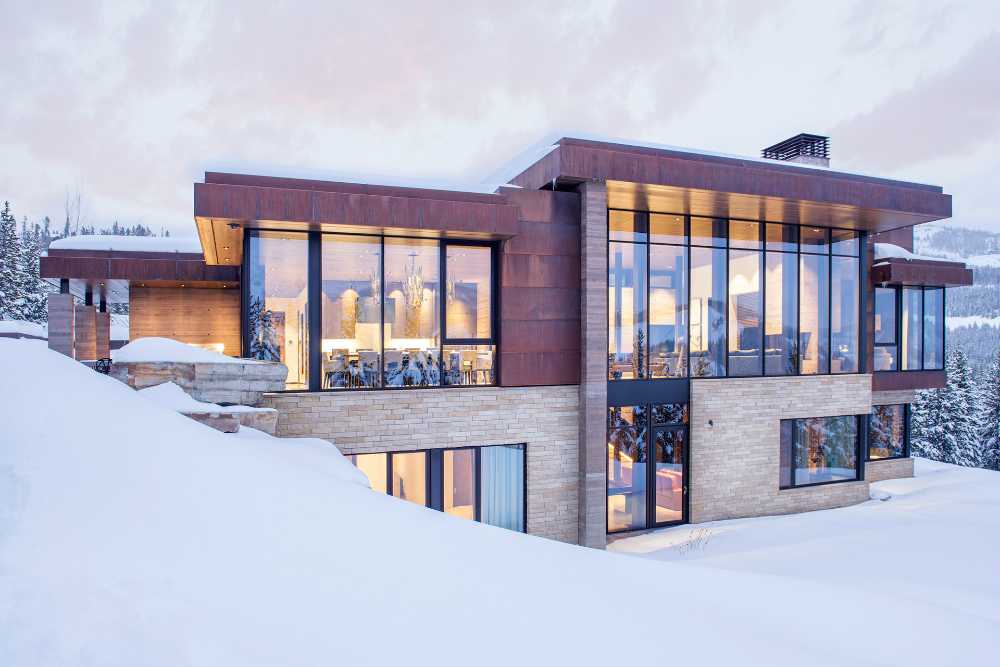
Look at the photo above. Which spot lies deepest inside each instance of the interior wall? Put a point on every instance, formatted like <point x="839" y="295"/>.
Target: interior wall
<point x="196" y="316"/>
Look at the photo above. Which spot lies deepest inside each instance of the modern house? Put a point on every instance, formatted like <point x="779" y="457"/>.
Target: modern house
<point x="621" y="337"/>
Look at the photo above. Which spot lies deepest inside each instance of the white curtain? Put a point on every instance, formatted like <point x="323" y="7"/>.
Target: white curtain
<point x="502" y="481"/>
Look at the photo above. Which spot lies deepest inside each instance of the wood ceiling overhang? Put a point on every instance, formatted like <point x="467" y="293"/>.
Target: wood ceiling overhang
<point x="674" y="181"/>
<point x="226" y="204"/>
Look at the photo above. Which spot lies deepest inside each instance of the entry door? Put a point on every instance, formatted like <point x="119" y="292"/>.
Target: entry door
<point x="668" y="497"/>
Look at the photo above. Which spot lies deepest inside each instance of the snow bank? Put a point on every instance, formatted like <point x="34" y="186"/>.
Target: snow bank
<point x="183" y="244"/>
<point x="22" y="328"/>
<point x="130" y="534"/>
<point x="155" y="349"/>
<point x="172" y="397"/>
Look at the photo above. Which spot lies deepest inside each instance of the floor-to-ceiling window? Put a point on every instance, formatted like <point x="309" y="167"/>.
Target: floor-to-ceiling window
<point x="711" y="297"/>
<point x="276" y="309"/>
<point x="909" y="328"/>
<point x="393" y="312"/>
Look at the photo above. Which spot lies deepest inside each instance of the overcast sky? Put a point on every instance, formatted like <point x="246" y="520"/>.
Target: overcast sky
<point x="129" y="103"/>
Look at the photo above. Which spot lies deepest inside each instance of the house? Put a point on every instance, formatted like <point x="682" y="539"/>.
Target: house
<point x="620" y="337"/>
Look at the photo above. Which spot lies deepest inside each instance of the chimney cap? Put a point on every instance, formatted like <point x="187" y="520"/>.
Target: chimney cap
<point x="803" y="147"/>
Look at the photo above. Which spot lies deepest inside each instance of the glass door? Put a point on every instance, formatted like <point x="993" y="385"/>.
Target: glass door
<point x="669" y="478"/>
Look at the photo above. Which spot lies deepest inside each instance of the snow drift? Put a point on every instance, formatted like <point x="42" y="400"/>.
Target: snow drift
<point x="132" y="535"/>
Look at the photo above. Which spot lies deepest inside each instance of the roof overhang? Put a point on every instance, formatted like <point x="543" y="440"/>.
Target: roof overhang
<point x="899" y="271"/>
<point x="677" y="181"/>
<point x="226" y="204"/>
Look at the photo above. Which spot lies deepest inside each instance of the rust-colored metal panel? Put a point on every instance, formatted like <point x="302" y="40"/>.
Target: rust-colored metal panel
<point x="540" y="303"/>
<point x="541" y="335"/>
<point x="540" y="271"/>
<point x="540" y="368"/>
<point x="135" y="266"/>
<point x="885" y="381"/>
<point x="916" y="272"/>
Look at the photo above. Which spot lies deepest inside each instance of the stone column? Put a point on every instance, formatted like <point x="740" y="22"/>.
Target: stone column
<point x="86" y="332"/>
<point x="62" y="330"/>
<point x="593" y="364"/>
<point x="103" y="331"/>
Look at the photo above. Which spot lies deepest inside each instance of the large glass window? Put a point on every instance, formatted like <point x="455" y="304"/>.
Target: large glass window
<point x="781" y="319"/>
<point x="627" y="458"/>
<point x="667" y="311"/>
<point x="886" y="354"/>
<point x="277" y="312"/>
<point x="887" y="432"/>
<point x="933" y="329"/>
<point x="708" y="312"/>
<point x="468" y="356"/>
<point x="844" y="314"/>
<point x="912" y="328"/>
<point x="627" y="311"/>
<point x="744" y="312"/>
<point x="818" y="450"/>
<point x="412" y="313"/>
<point x="480" y="483"/>
<point x="352" y="311"/>
<point x="814" y="314"/>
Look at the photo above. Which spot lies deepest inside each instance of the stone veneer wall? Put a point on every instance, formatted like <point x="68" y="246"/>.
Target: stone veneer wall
<point x="876" y="471"/>
<point x="546" y="418"/>
<point x="734" y="463"/>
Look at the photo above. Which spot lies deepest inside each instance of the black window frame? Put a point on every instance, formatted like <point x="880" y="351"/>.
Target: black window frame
<point x="723" y="224"/>
<point x="434" y="477"/>
<point x="861" y="440"/>
<point x="943" y="328"/>
<point x="314" y="276"/>
<point x="906" y="435"/>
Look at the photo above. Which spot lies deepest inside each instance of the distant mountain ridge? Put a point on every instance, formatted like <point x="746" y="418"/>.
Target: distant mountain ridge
<point x="975" y="247"/>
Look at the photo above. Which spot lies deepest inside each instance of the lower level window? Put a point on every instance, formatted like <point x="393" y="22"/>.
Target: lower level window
<point x="818" y="450"/>
<point x="887" y="432"/>
<point x="484" y="484"/>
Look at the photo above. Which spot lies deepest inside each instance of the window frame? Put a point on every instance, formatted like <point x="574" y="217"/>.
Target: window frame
<point x="724" y="223"/>
<point x="861" y="439"/>
<point x="898" y="333"/>
<point x="434" y="475"/>
<point x="314" y="277"/>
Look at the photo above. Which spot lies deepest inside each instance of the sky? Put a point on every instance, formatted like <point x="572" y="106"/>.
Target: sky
<point x="128" y="103"/>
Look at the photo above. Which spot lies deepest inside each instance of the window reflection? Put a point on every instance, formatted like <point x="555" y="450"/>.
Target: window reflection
<point x="374" y="467"/>
<point x="782" y="237"/>
<point x="411" y="292"/>
<point x="845" y="242"/>
<point x="814" y="314"/>
<point x="744" y="234"/>
<point x="468" y="365"/>
<point x="626" y="311"/>
<point x="814" y="239"/>
<point x="460" y="483"/>
<point x="666" y="228"/>
<point x="819" y="449"/>
<point x="887" y="431"/>
<point x="781" y="320"/>
<point x="910" y="343"/>
<point x="885" y="329"/>
<point x="409" y="476"/>
<point x="352" y="311"/>
<point x="627" y="225"/>
<point x="708" y="232"/>
<point x="708" y="312"/>
<point x="667" y="311"/>
<point x="627" y="468"/>
<point x="933" y="329"/>
<point x="468" y="299"/>
<point x="844" y="315"/>
<point x="277" y="313"/>
<point x="668" y="448"/>
<point x="744" y="312"/>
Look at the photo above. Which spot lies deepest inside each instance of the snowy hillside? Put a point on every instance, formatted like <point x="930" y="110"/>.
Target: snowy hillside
<point x="130" y="535"/>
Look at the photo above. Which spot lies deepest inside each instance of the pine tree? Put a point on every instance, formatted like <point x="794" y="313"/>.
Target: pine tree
<point x="10" y="263"/>
<point x="989" y="434"/>
<point x="965" y="424"/>
<point x="34" y="290"/>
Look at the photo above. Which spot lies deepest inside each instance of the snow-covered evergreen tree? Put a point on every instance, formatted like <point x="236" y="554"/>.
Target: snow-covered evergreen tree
<point x="34" y="290"/>
<point x="965" y="423"/>
<point x="11" y="298"/>
<point x="989" y="405"/>
<point x="925" y="412"/>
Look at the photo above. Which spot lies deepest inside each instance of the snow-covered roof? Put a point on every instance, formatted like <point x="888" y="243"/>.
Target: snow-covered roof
<point x="184" y="244"/>
<point x="22" y="328"/>
<point x="891" y="251"/>
<point x="155" y="349"/>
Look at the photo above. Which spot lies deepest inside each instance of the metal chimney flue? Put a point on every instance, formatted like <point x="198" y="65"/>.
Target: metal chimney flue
<point x="803" y="148"/>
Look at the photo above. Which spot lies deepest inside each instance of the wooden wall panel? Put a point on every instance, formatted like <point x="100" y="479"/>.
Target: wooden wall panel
<point x="198" y="316"/>
<point x="540" y="291"/>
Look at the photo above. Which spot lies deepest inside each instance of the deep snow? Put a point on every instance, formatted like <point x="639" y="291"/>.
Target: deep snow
<point x="154" y="348"/>
<point x="131" y="535"/>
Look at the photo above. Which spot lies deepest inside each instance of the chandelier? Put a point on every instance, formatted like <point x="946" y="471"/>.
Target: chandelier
<point x="413" y="284"/>
<point x="375" y="280"/>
